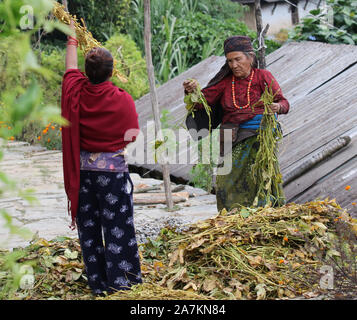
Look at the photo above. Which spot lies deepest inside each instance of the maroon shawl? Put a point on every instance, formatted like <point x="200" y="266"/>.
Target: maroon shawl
<point x="99" y="116"/>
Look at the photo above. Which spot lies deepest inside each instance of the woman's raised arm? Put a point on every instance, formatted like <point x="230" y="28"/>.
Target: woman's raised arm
<point x="71" y="53"/>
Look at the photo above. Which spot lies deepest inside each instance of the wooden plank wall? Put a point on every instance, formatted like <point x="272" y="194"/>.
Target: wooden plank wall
<point x="317" y="117"/>
<point x="323" y="106"/>
<point x="329" y="178"/>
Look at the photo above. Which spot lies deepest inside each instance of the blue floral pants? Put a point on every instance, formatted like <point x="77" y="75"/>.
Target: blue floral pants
<point x="106" y="209"/>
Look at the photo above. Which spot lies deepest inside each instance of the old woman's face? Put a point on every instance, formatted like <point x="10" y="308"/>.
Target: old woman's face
<point x="239" y="63"/>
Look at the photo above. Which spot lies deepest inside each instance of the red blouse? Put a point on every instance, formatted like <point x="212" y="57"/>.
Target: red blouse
<point x="221" y="93"/>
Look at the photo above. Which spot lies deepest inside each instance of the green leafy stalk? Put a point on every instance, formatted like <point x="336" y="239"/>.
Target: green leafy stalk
<point x="197" y="97"/>
<point x="265" y="170"/>
<point x="201" y="174"/>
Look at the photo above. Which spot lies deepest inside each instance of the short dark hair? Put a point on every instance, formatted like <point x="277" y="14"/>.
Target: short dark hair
<point x="98" y="65"/>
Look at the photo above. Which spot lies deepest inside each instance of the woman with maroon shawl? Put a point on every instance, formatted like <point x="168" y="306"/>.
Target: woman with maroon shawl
<point x="232" y="94"/>
<point x="96" y="176"/>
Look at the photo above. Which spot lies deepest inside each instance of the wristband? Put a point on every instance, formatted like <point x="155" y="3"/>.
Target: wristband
<point x="73" y="43"/>
<point x="72" y="40"/>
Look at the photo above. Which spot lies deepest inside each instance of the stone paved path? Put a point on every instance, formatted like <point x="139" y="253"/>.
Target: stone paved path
<point x="39" y="169"/>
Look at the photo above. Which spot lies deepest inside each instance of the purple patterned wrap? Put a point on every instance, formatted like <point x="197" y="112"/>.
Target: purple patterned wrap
<point x="104" y="161"/>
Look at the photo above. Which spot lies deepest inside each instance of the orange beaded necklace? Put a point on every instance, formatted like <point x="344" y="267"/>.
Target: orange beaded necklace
<point x="248" y="92"/>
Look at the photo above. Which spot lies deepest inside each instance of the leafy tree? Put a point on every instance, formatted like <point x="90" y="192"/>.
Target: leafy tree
<point x="131" y="63"/>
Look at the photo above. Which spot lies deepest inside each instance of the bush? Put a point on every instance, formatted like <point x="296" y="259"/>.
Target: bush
<point x="21" y="99"/>
<point x="12" y="78"/>
<point x="33" y="131"/>
<point x="199" y="31"/>
<point x="131" y="64"/>
<point x="53" y="58"/>
<point x="182" y="43"/>
<point x="336" y="25"/>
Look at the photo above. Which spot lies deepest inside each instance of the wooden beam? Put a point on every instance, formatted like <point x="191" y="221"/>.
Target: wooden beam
<point x="260" y="34"/>
<point x="157" y="197"/>
<point x="326" y="152"/>
<point x="154" y="100"/>
<point x="294" y="12"/>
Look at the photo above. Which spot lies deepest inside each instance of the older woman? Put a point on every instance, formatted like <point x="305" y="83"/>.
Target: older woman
<point x="96" y="176"/>
<point x="235" y="89"/>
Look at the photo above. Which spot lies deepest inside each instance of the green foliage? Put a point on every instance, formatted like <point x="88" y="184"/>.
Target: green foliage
<point x="13" y="80"/>
<point x="53" y="58"/>
<point x="336" y="25"/>
<point x="184" y="42"/>
<point x="165" y="119"/>
<point x="223" y="9"/>
<point x="21" y="100"/>
<point x="104" y="18"/>
<point x="200" y="31"/>
<point x="184" y="32"/>
<point x="132" y="65"/>
<point x="271" y="46"/>
<point x="202" y="173"/>
<point x="201" y="176"/>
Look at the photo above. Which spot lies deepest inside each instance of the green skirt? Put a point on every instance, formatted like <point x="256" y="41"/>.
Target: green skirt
<point x="238" y="188"/>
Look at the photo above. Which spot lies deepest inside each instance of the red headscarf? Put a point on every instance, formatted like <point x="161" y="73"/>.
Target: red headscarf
<point x="99" y="115"/>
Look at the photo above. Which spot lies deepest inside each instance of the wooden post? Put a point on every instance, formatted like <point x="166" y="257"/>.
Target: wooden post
<point x="294" y="12"/>
<point x="260" y="34"/>
<point x="154" y="101"/>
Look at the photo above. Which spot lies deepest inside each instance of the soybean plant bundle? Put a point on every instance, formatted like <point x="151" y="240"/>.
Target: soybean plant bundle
<point x="197" y="97"/>
<point x="85" y="38"/>
<point x="57" y="267"/>
<point x="255" y="253"/>
<point x="265" y="170"/>
<point x="154" y="291"/>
